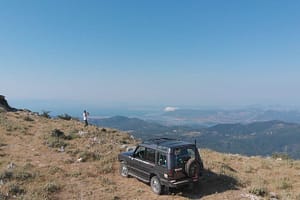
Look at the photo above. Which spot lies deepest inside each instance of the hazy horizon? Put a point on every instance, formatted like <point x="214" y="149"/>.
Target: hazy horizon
<point x="150" y="53"/>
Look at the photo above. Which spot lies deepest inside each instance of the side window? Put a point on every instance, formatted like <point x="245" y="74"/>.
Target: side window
<point x="150" y="155"/>
<point x="162" y="159"/>
<point x="140" y="152"/>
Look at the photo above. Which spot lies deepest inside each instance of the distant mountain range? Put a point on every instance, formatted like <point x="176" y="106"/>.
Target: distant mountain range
<point x="255" y="138"/>
<point x="213" y="117"/>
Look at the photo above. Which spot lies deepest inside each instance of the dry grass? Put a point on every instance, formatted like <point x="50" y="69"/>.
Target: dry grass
<point x="32" y="166"/>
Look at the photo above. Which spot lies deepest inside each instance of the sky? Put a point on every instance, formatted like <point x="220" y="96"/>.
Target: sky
<point x="134" y="53"/>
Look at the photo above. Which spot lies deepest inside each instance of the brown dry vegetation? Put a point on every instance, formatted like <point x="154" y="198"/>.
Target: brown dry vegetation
<point x="33" y="167"/>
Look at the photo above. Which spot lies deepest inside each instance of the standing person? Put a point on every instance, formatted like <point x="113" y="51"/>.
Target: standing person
<point x="85" y="116"/>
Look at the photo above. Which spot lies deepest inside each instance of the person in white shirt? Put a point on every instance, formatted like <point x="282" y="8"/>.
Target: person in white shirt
<point x="85" y="116"/>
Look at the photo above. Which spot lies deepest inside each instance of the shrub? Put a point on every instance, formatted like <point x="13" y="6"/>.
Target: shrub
<point x="6" y="175"/>
<point x="89" y="156"/>
<point x="45" y="114"/>
<point x="259" y="191"/>
<point x="15" y="190"/>
<point x="57" y="133"/>
<point x="106" y="168"/>
<point x="28" y="119"/>
<point x="23" y="175"/>
<point x="54" y="143"/>
<point x="2" y="196"/>
<point x="51" y="187"/>
<point x="283" y="156"/>
<point x="64" y="117"/>
<point x="285" y="184"/>
<point x="71" y="136"/>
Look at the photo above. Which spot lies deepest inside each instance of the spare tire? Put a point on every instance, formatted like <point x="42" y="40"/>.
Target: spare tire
<point x="192" y="168"/>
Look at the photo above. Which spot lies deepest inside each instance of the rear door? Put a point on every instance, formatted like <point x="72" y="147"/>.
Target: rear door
<point x="181" y="156"/>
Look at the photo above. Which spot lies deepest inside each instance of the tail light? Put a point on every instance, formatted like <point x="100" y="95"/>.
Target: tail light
<point x="170" y="174"/>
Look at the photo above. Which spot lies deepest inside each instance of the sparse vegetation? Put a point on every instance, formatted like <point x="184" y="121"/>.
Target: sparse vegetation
<point x="283" y="156"/>
<point x="285" y="184"/>
<point x="51" y="187"/>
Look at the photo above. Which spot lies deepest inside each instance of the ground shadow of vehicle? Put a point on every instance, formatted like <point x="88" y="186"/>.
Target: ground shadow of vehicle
<point x="210" y="183"/>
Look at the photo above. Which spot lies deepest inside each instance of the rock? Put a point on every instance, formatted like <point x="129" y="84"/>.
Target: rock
<point x="81" y="133"/>
<point x="250" y="196"/>
<point x="11" y="166"/>
<point x="273" y="196"/>
<point x="4" y="105"/>
<point x="62" y="149"/>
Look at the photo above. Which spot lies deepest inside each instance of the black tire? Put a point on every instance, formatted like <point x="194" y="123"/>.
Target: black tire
<point x="155" y="185"/>
<point x="124" y="170"/>
<point x="192" y="168"/>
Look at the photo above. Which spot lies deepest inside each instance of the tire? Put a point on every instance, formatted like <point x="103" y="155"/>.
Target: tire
<point x="155" y="185"/>
<point x="192" y="168"/>
<point x="124" y="170"/>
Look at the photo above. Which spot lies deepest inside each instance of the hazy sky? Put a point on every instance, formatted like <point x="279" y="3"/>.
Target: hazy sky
<point x="120" y="53"/>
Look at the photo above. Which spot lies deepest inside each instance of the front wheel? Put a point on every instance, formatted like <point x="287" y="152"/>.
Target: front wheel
<point x="155" y="185"/>
<point x="124" y="170"/>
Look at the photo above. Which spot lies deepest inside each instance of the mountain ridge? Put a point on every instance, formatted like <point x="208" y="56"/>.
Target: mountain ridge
<point x="256" y="138"/>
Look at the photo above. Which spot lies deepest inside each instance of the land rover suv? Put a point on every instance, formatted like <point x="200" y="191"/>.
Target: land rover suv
<point x="163" y="162"/>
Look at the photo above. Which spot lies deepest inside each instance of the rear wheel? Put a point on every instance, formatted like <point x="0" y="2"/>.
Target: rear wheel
<point x="155" y="185"/>
<point x="124" y="170"/>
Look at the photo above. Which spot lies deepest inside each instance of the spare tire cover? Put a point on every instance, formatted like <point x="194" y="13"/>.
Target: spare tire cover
<point x="192" y="168"/>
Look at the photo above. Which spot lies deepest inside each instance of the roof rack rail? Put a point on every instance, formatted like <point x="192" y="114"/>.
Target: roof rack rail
<point x="158" y="140"/>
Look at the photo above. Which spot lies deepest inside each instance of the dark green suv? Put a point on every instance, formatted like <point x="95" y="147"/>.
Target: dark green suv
<point x="163" y="162"/>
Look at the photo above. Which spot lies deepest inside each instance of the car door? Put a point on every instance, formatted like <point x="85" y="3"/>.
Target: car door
<point x="162" y="164"/>
<point x="143" y="162"/>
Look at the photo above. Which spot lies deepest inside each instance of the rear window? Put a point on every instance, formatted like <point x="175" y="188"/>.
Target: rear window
<point x="182" y="155"/>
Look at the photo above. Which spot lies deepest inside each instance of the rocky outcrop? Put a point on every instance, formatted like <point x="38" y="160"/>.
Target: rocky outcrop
<point x="4" y="105"/>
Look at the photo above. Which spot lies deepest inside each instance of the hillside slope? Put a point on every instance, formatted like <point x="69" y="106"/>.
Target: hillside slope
<point x="82" y="164"/>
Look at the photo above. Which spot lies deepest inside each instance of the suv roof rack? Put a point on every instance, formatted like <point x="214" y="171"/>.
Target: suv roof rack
<point x="158" y="140"/>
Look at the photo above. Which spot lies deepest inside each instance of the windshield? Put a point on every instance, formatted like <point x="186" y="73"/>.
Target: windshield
<point x="183" y="154"/>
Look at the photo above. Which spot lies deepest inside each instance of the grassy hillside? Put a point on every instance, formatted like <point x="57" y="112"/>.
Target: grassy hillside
<point x="43" y="158"/>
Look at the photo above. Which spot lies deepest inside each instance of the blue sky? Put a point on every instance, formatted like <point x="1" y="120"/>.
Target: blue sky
<point x="138" y="53"/>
